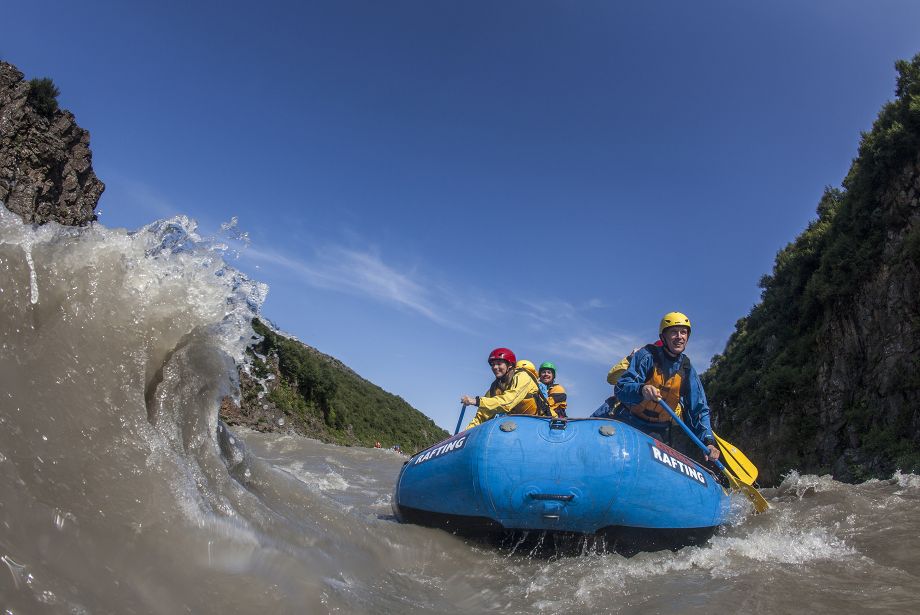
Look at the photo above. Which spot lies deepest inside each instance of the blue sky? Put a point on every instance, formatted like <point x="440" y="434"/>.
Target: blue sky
<point x="422" y="181"/>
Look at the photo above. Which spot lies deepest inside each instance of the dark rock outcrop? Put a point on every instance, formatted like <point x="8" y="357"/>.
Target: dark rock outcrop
<point x="860" y="417"/>
<point x="46" y="170"/>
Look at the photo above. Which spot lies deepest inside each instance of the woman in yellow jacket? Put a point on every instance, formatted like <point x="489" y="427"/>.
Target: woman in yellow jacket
<point x="514" y="390"/>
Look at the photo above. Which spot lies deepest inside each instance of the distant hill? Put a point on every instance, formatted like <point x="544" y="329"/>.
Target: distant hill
<point x="823" y="375"/>
<point x="288" y="385"/>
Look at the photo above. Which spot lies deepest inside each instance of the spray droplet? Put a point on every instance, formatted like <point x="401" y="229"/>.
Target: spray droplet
<point x="16" y="569"/>
<point x="33" y="279"/>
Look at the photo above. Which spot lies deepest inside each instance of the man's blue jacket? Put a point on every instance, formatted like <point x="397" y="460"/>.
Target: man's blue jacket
<point x="628" y="390"/>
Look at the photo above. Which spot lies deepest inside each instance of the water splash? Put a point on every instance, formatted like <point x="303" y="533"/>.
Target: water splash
<point x="61" y="517"/>
<point x="33" y="278"/>
<point x="801" y="485"/>
<point x="235" y="237"/>
<point x="175" y="244"/>
<point x="20" y="577"/>
<point x="906" y="481"/>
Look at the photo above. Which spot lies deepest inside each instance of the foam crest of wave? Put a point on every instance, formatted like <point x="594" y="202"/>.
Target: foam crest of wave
<point x="801" y="484"/>
<point x="740" y="551"/>
<point x="321" y="481"/>
<point x="907" y="481"/>
<point x="162" y="270"/>
<point x="786" y="544"/>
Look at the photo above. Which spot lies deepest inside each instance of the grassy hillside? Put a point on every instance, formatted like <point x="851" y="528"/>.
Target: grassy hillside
<point x="292" y="385"/>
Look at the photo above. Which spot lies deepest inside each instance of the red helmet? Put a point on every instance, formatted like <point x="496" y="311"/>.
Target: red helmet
<point x="504" y="354"/>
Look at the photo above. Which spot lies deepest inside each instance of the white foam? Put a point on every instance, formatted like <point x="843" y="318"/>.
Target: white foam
<point x="329" y="481"/>
<point x="734" y="551"/>
<point x="785" y="546"/>
<point x="906" y="481"/>
<point x="800" y="484"/>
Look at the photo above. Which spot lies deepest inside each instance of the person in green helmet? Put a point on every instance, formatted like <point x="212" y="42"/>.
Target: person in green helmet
<point x="555" y="392"/>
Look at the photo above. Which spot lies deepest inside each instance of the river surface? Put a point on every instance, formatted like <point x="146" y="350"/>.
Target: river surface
<point x="121" y="492"/>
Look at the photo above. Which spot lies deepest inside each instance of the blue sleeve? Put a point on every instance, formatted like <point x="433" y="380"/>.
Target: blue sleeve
<point x="698" y="409"/>
<point x="628" y="388"/>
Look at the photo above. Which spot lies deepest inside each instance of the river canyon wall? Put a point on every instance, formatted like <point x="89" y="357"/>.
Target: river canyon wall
<point x="823" y="375"/>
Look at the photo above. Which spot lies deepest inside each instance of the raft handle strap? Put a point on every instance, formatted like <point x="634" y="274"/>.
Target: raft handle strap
<point x="567" y="497"/>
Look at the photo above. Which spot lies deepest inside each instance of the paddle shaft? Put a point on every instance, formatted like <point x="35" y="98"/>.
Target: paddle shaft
<point x="760" y="504"/>
<point x="460" y="420"/>
<point x="692" y="436"/>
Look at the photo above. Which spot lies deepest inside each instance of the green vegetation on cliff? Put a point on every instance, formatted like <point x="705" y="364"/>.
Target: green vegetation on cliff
<point x="43" y="96"/>
<point x="328" y="401"/>
<point x="797" y="379"/>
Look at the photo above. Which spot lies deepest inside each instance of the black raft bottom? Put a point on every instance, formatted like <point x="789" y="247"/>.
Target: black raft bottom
<point x="626" y="541"/>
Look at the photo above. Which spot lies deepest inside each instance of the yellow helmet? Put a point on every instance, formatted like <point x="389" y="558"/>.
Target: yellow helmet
<point x="530" y="367"/>
<point x="673" y="319"/>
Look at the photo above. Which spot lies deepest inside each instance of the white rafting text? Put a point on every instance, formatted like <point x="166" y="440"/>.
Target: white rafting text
<point x="441" y="450"/>
<point x="677" y="465"/>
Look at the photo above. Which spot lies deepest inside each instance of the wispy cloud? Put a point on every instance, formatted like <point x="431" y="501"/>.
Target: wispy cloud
<point x="554" y="312"/>
<point x="360" y="273"/>
<point x="570" y="329"/>
<point x="578" y="333"/>
<point x="469" y="303"/>
<point x="602" y="348"/>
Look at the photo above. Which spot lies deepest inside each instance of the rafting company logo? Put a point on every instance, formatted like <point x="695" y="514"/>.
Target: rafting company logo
<point x="670" y="459"/>
<point x="447" y="447"/>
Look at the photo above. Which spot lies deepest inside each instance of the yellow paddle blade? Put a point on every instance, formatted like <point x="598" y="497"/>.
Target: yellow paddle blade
<point x="759" y="502"/>
<point x="736" y="460"/>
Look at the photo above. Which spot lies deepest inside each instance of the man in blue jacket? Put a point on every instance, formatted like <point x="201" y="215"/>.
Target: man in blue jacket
<point x="664" y="372"/>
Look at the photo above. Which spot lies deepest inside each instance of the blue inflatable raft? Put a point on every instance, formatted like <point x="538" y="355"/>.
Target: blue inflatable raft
<point x="585" y="476"/>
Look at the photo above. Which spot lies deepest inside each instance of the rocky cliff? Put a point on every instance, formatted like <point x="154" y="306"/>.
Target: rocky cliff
<point x="824" y="375"/>
<point x="46" y="170"/>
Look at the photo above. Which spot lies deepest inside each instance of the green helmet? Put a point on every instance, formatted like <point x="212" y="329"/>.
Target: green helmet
<point x="548" y="365"/>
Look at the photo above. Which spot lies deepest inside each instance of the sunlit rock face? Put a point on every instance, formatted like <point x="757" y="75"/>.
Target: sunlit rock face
<point x="46" y="171"/>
